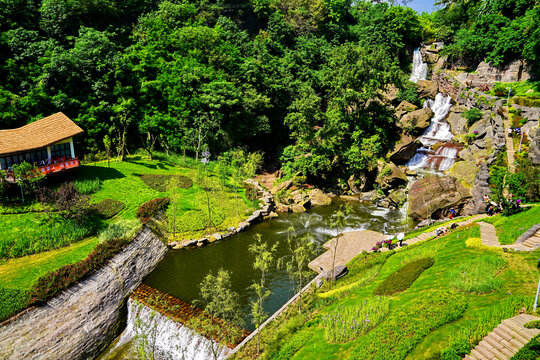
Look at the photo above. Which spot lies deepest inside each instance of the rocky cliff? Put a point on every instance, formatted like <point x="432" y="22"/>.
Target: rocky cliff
<point x="82" y="321"/>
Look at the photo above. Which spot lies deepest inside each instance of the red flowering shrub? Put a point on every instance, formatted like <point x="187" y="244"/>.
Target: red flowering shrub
<point x="152" y="208"/>
<point x="47" y="286"/>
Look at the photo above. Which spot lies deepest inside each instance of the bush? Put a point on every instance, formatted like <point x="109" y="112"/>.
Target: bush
<point x="12" y="301"/>
<point x="474" y="330"/>
<point x="292" y="346"/>
<point x="161" y="182"/>
<point x="108" y="208"/>
<point x="87" y="186"/>
<point x="409" y="93"/>
<point x="404" y="277"/>
<point x="47" y="286"/>
<point x="151" y="208"/>
<point x="123" y="229"/>
<point x="535" y="324"/>
<point x="531" y="351"/>
<point x="345" y="324"/>
<point x="472" y="115"/>
<point x="477" y="275"/>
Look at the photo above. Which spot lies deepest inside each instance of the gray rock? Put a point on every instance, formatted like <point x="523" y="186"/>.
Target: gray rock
<point x="339" y="271"/>
<point x="404" y="149"/>
<point x="427" y="89"/>
<point x="458" y="124"/>
<point x="534" y="146"/>
<point x="281" y="186"/>
<point x="359" y="182"/>
<point x="242" y="226"/>
<point x="217" y="236"/>
<point x="418" y="119"/>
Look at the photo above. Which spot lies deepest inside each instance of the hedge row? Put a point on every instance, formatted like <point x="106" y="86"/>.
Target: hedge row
<point x="530" y="351"/>
<point x="108" y="208"/>
<point x="151" y="208"/>
<point x="161" y="182"/>
<point x="12" y="301"/>
<point x="47" y="286"/>
<point x="404" y="277"/>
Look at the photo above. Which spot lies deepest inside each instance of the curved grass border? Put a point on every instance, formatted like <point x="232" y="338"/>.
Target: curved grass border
<point x="403" y="278"/>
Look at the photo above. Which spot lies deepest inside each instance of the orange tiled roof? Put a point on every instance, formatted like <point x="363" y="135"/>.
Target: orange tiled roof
<point x="38" y="134"/>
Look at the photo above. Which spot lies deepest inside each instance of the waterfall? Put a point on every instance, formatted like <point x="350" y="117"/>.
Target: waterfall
<point x="419" y="68"/>
<point x="162" y="337"/>
<point x="438" y="131"/>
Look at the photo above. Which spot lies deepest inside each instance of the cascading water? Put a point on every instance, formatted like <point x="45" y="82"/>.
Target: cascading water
<point x="444" y="156"/>
<point x="419" y="68"/>
<point x="161" y="338"/>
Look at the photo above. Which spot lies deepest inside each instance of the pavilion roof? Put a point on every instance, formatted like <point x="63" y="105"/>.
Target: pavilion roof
<point x="39" y="134"/>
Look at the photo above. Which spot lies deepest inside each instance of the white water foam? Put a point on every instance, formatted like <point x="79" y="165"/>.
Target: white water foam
<point x="419" y="68"/>
<point x="438" y="130"/>
<point x="163" y="338"/>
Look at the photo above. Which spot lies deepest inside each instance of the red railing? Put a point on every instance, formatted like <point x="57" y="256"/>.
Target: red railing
<point x="59" y="166"/>
<point x="48" y="169"/>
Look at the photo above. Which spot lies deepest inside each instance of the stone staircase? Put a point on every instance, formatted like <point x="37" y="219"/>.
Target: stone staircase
<point x="533" y="242"/>
<point x="505" y="340"/>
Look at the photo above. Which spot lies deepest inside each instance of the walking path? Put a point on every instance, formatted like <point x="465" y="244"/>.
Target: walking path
<point x="505" y="340"/>
<point x="509" y="142"/>
<point x="489" y="237"/>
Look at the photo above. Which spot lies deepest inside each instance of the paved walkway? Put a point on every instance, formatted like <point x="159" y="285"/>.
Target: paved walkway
<point x="509" y="142"/>
<point x="349" y="245"/>
<point x="505" y="340"/>
<point x="489" y="237"/>
<point x="354" y="242"/>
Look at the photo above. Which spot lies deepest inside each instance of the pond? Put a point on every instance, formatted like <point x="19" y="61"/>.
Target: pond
<point x="181" y="272"/>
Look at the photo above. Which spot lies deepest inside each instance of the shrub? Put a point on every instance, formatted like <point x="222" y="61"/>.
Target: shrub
<point x="87" y="186"/>
<point x="408" y="324"/>
<point x="477" y="275"/>
<point x="535" y="324"/>
<point x="530" y="351"/>
<point x="161" y="182"/>
<point x="123" y="229"/>
<point x="292" y="346"/>
<point x="472" y="115"/>
<point x="68" y="200"/>
<point x="151" y="208"/>
<point x="409" y="93"/>
<point x="108" y="208"/>
<point x="404" y="277"/>
<point x="47" y="286"/>
<point x="345" y="324"/>
<point x="12" y="301"/>
<point x="474" y="330"/>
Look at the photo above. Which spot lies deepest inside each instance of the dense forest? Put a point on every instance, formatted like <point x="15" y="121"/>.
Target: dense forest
<point x="297" y="79"/>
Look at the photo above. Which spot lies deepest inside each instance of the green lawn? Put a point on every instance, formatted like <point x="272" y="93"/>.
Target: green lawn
<point x="420" y="323"/>
<point x="509" y="228"/>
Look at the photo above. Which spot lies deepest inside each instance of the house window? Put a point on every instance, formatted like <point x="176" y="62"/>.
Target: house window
<point x="61" y="150"/>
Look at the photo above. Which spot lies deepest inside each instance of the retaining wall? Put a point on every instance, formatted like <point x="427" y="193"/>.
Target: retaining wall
<point x="83" y="320"/>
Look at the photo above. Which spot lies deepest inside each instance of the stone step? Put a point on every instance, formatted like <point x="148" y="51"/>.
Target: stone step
<point x="517" y="327"/>
<point x="507" y="352"/>
<point x="492" y="341"/>
<point x="477" y="354"/>
<point x="484" y="349"/>
<point x="515" y="335"/>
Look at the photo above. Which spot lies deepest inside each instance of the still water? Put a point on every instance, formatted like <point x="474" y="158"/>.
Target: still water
<point x="181" y="272"/>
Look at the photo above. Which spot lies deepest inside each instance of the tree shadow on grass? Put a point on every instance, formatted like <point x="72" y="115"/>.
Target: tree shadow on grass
<point x="100" y="172"/>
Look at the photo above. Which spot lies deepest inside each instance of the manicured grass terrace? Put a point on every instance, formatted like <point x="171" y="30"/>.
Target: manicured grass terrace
<point x="425" y="319"/>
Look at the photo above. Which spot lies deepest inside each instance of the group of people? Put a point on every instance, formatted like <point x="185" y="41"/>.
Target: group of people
<point x="55" y="160"/>
<point x="510" y="202"/>
<point x="516" y="131"/>
<point x="443" y="230"/>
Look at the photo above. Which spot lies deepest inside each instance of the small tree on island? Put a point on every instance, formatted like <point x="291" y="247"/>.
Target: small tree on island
<point x="108" y="145"/>
<point x="264" y="258"/>
<point x="173" y="201"/>
<point x="221" y="306"/>
<point x="301" y="250"/>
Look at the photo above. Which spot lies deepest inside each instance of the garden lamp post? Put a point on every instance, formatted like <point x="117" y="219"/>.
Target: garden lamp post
<point x="537" y="290"/>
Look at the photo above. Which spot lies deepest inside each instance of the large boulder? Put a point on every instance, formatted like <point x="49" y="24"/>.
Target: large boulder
<point x="458" y="124"/>
<point x="398" y="197"/>
<point x="389" y="96"/>
<point x="359" y="182"/>
<point x="390" y="176"/>
<point x="404" y="149"/>
<point x="418" y="119"/>
<point x="465" y="171"/>
<point x="281" y="186"/>
<point x="534" y="146"/>
<point x="427" y="89"/>
<point x="318" y="198"/>
<point x="405" y="107"/>
<point x="433" y="196"/>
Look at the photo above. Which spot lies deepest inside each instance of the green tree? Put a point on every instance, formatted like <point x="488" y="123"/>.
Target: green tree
<point x="107" y="144"/>
<point x="264" y="259"/>
<point x="301" y="250"/>
<point x="338" y="222"/>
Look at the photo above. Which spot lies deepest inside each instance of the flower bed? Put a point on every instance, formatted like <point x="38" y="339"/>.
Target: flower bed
<point x="108" y="208"/>
<point x="152" y="208"/>
<point x="404" y="277"/>
<point x="161" y="182"/>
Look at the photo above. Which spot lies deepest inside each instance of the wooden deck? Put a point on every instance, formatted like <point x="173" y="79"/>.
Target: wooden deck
<point x="350" y="244"/>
